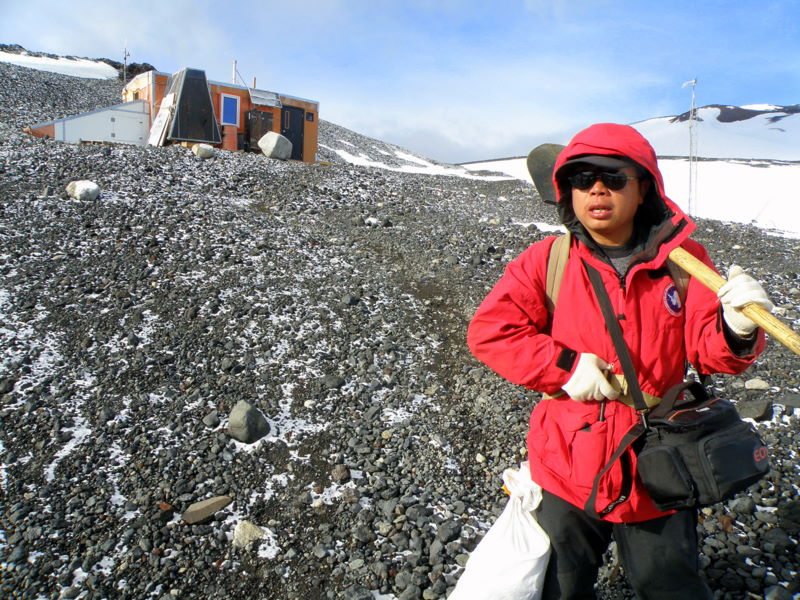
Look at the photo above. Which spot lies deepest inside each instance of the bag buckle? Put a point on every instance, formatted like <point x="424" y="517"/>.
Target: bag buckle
<point x="644" y="419"/>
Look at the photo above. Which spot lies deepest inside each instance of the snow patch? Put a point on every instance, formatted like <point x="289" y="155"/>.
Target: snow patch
<point x="76" y="67"/>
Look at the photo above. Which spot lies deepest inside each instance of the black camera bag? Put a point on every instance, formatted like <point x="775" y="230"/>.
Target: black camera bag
<point x="690" y="453"/>
<point x="698" y="452"/>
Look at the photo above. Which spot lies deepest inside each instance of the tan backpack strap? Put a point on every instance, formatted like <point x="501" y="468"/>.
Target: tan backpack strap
<point x="681" y="278"/>
<point x="556" y="262"/>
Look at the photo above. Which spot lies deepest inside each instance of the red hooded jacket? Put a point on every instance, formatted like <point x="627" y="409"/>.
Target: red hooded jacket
<point x="512" y="333"/>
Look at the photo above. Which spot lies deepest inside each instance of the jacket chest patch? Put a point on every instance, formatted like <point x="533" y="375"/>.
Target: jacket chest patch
<point x="672" y="300"/>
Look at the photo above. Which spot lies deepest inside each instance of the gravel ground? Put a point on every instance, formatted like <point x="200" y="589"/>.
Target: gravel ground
<point x="333" y="298"/>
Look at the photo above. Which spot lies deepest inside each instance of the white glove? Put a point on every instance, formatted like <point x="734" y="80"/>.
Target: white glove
<point x="740" y="290"/>
<point x="588" y="382"/>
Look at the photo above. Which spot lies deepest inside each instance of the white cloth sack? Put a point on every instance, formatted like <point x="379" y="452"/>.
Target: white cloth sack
<point x="510" y="561"/>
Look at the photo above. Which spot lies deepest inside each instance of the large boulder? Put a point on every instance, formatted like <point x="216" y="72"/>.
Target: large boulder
<point x="83" y="190"/>
<point x="246" y="533"/>
<point x="274" y="145"/>
<point x="203" y="150"/>
<point x="246" y="423"/>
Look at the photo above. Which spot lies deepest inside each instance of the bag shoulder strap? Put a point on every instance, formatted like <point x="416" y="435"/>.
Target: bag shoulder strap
<point x="556" y="262"/>
<point x="620" y="454"/>
<point x="639" y="429"/>
<point x="612" y="324"/>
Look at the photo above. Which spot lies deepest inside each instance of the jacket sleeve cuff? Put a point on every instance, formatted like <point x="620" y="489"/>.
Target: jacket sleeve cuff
<point x="566" y="359"/>
<point x="740" y="346"/>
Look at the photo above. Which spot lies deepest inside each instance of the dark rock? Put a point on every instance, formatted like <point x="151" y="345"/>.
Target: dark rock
<point x="18" y="554"/>
<point x="246" y="423"/>
<point x="331" y="382"/>
<point x="790" y="399"/>
<point x="778" y="537"/>
<point x="363" y="533"/>
<point x="351" y="299"/>
<point x="211" y="420"/>
<point x="778" y="592"/>
<point x="789" y="517"/>
<point x="357" y="592"/>
<point x="340" y="473"/>
<point x="759" y="409"/>
<point x="448" y="531"/>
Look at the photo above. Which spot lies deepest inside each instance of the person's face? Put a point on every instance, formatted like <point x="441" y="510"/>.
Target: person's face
<point x="607" y="214"/>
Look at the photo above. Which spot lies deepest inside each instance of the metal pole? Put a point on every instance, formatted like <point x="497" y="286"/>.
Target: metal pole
<point x="693" y="152"/>
<point x="691" y="203"/>
<point x="125" y="56"/>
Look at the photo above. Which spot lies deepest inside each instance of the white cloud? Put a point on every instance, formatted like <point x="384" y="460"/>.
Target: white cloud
<point x="483" y="109"/>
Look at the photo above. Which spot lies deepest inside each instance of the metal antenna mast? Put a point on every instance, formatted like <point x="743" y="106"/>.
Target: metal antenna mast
<point x="125" y="56"/>
<point x="692" y="202"/>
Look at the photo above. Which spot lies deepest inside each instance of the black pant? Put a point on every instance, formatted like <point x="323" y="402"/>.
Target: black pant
<point x="659" y="556"/>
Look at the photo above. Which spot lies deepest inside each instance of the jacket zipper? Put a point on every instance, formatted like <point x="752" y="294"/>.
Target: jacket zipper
<point x="621" y="297"/>
<point x="620" y="316"/>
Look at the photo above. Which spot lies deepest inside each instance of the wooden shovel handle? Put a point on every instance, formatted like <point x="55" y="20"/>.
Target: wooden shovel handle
<point x="755" y="312"/>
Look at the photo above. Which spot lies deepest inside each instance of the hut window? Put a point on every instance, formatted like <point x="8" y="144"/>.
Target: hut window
<point x="229" y="109"/>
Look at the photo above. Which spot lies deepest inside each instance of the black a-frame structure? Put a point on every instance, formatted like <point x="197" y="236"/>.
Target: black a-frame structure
<point x="193" y="119"/>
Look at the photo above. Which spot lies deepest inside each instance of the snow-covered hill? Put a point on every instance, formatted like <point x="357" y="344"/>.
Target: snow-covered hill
<point x="749" y="132"/>
<point x="76" y="67"/>
<point x="749" y="159"/>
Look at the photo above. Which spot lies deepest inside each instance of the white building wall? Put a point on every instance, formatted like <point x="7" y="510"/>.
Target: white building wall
<point x="127" y="123"/>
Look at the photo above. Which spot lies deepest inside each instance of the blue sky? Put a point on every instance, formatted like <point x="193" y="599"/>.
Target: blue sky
<point x="451" y="80"/>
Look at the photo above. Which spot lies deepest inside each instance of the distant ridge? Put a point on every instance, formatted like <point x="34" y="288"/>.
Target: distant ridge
<point x="130" y="70"/>
<point x="475" y="162"/>
<point x="731" y="114"/>
<point x="751" y="132"/>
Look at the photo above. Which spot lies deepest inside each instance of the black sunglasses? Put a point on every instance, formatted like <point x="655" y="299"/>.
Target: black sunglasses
<point x="585" y="180"/>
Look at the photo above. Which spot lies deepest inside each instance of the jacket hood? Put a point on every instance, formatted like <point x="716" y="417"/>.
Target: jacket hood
<point x="659" y="219"/>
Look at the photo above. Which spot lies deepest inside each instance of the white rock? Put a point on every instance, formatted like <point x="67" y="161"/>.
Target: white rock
<point x="83" y="189"/>
<point x="246" y="533"/>
<point x="274" y="145"/>
<point x="756" y="384"/>
<point x="480" y="458"/>
<point x="203" y="150"/>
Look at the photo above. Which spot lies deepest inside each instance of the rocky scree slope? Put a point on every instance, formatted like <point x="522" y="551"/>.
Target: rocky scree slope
<point x="333" y="298"/>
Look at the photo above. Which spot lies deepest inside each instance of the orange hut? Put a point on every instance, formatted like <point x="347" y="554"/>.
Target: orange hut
<point x="159" y="108"/>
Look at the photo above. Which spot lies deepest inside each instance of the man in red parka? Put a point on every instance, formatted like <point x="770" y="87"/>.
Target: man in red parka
<point x="611" y="198"/>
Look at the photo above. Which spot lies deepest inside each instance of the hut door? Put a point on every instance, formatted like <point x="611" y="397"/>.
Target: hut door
<point x="292" y="122"/>
<point x="259" y="122"/>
